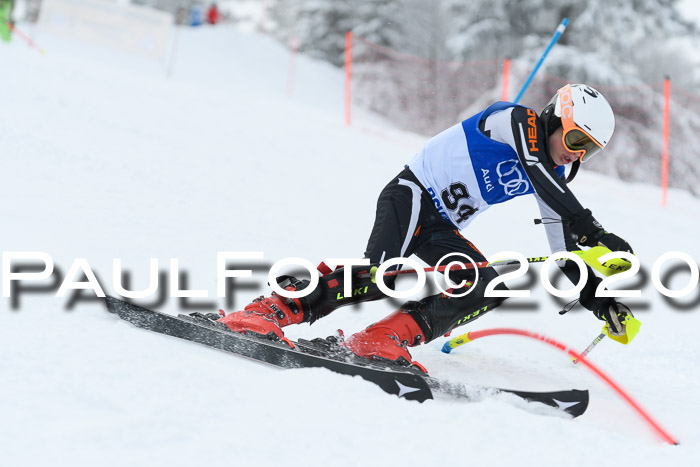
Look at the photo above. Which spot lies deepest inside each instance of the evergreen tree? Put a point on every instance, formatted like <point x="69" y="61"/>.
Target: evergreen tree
<point x="607" y="41"/>
<point x="409" y="26"/>
<point x="609" y="44"/>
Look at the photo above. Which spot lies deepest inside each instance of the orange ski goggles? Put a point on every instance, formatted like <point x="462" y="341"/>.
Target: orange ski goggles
<point x="575" y="138"/>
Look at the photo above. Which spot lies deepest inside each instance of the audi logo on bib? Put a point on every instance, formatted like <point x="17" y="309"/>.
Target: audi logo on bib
<point x="511" y="179"/>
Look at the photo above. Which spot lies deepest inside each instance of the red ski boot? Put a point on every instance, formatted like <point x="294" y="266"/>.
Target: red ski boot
<point x="266" y="317"/>
<point x="388" y="339"/>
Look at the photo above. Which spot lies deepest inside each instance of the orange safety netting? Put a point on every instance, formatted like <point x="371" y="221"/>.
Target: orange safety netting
<point x="428" y="96"/>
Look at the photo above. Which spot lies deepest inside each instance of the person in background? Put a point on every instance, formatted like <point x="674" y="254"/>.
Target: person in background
<point x="196" y="15"/>
<point x="181" y="16"/>
<point x="6" y="22"/>
<point x="213" y="14"/>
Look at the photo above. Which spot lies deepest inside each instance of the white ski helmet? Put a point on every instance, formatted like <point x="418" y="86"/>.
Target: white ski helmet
<point x="586" y="117"/>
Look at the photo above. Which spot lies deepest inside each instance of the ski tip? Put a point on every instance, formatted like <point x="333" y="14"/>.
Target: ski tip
<point x="446" y="348"/>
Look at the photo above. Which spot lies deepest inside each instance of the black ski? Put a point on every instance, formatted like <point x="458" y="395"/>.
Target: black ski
<point x="408" y="383"/>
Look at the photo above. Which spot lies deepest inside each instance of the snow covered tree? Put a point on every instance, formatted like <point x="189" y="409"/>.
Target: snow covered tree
<point x="319" y="25"/>
<point x="409" y="26"/>
<point x="458" y="45"/>
<point x="607" y="41"/>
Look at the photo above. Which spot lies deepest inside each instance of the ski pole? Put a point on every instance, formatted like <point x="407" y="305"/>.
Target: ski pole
<point x="479" y="265"/>
<point x="473" y="335"/>
<point x="557" y="34"/>
<point x="590" y="257"/>
<point x="464" y="338"/>
<point x="588" y="349"/>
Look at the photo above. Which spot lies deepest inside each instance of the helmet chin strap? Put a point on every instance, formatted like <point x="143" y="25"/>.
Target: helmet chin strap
<point x="574" y="170"/>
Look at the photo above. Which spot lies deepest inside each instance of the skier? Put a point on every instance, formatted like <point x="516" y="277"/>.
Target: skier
<point x="505" y="151"/>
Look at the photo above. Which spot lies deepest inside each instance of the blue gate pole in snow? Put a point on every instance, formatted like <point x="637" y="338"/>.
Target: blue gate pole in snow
<point x="560" y="30"/>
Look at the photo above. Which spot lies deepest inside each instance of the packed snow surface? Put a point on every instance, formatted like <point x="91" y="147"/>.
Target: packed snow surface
<point x="106" y="156"/>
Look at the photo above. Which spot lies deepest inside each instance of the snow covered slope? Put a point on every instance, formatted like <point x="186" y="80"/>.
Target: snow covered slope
<point x="104" y="157"/>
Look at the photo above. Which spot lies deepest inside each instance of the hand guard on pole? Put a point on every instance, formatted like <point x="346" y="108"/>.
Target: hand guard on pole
<point x="620" y="323"/>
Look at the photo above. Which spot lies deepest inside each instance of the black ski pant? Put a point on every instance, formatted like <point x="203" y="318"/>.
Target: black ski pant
<point x="407" y="222"/>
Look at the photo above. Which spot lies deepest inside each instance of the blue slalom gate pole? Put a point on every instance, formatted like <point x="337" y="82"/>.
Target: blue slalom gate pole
<point x="560" y="30"/>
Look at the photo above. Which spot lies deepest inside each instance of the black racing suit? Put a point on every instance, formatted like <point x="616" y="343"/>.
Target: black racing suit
<point x="413" y="218"/>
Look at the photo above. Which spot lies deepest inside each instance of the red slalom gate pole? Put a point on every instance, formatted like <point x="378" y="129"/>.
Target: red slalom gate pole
<point x="173" y="53"/>
<point x="348" y="77"/>
<point x="291" y="72"/>
<point x="473" y="335"/>
<point x="506" y="76"/>
<point x="667" y="128"/>
<point x="263" y="17"/>
<point x="24" y="37"/>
